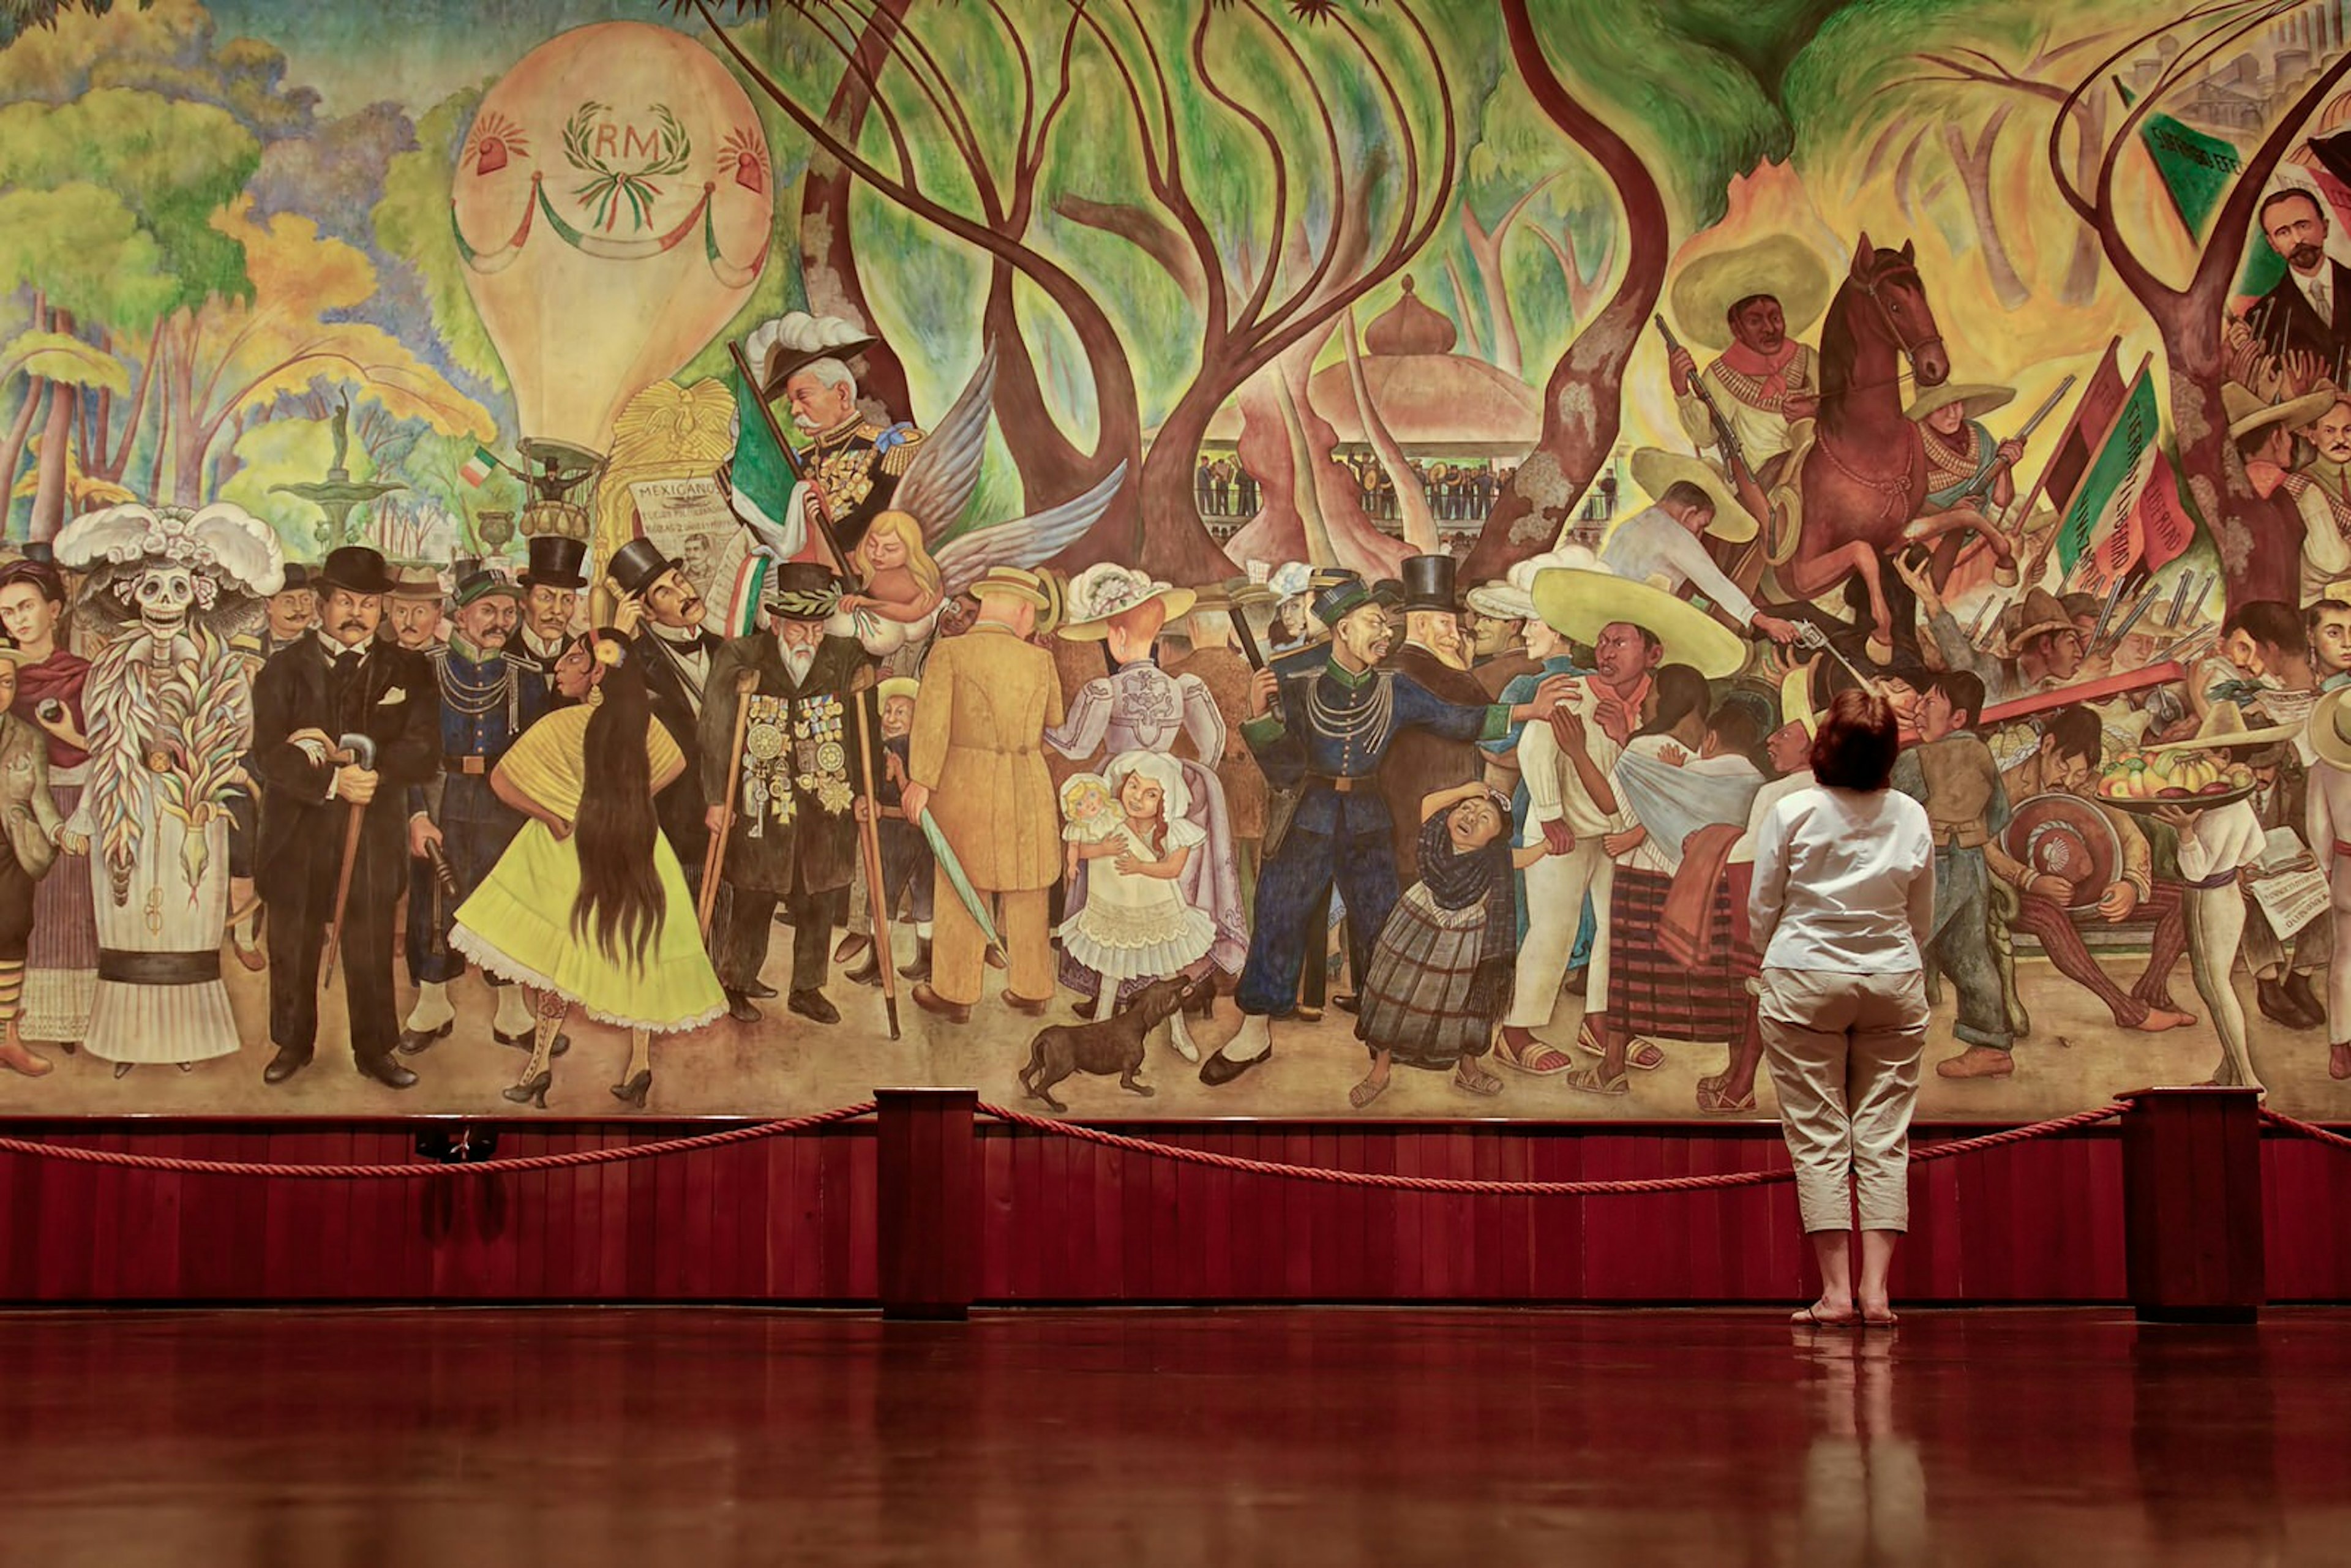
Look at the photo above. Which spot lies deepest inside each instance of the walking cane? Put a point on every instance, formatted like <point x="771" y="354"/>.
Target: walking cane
<point x="358" y="752"/>
<point x="870" y="831"/>
<point x="714" y="860"/>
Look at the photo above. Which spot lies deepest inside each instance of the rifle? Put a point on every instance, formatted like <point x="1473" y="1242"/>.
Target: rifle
<point x="1734" y="458"/>
<point x="1981" y="484"/>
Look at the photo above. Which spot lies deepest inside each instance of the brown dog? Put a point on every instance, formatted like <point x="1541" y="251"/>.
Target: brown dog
<point x="1114" y="1044"/>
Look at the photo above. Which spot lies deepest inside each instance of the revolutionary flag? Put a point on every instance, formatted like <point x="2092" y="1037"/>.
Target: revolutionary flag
<point x="762" y="471"/>
<point x="2093" y="414"/>
<point x="2106" y="499"/>
<point x="478" y="467"/>
<point x="2197" y="169"/>
<point x="2147" y="525"/>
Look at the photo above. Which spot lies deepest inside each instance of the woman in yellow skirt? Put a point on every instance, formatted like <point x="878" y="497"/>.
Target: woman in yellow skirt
<point x="588" y="907"/>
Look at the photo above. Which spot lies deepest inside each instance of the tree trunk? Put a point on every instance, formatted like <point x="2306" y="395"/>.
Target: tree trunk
<point x="113" y="467"/>
<point x="12" y="450"/>
<point x="1973" y="161"/>
<point x="829" y="273"/>
<point x="1053" y="469"/>
<point x="1274" y="447"/>
<point x="57" y="449"/>
<point x="2080" y="285"/>
<point x="1583" y="400"/>
<point x="1412" y="499"/>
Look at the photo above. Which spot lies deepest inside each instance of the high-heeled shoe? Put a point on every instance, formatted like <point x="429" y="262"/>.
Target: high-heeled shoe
<point x="633" y="1093"/>
<point x="122" y="1069"/>
<point x="532" y="1091"/>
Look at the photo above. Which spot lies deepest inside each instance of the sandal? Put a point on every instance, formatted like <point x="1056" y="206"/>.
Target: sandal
<point x="1363" y="1093"/>
<point x="1885" y="1320"/>
<point x="1588" y="1081"/>
<point x="1542" y="1060"/>
<point x="1644" y="1056"/>
<point x="1713" y="1102"/>
<point x="1813" y="1317"/>
<point x="1484" y="1083"/>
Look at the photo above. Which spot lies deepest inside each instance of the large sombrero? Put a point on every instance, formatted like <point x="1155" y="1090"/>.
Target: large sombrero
<point x="1975" y="401"/>
<point x="2247" y="413"/>
<point x="1779" y="265"/>
<point x="1657" y="470"/>
<point x="2225" y="726"/>
<point x="2068" y="838"/>
<point x="1577" y="603"/>
<point x="2330" y="727"/>
<point x="1796" y="696"/>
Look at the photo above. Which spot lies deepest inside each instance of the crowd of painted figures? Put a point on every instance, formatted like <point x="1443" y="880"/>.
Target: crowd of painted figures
<point x="1457" y="812"/>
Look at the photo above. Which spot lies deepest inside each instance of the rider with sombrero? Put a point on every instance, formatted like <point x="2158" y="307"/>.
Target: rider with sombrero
<point x="1664" y="543"/>
<point x="1750" y="302"/>
<point x="1961" y="452"/>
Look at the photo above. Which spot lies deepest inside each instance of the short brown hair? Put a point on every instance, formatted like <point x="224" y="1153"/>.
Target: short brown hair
<point x="1854" y="747"/>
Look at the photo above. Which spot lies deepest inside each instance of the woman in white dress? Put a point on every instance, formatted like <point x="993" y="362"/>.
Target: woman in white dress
<point x="170" y="715"/>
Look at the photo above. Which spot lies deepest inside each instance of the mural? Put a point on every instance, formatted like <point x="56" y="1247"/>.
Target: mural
<point x="1197" y="558"/>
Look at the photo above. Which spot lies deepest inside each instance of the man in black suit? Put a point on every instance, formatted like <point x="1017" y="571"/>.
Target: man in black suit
<point x="339" y="680"/>
<point x="662" y="614"/>
<point x="2309" y="312"/>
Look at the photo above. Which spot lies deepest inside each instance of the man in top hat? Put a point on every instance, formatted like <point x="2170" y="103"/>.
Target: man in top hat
<point x="414" y="609"/>
<point x="457" y="828"/>
<point x="1747" y="301"/>
<point x="1665" y="543"/>
<point x="794" y="788"/>
<point x="1327" y="736"/>
<point x="662" y="615"/>
<point x="2308" y="313"/>
<point x="975" y="762"/>
<point x="551" y="585"/>
<point x="1419" y="762"/>
<point x="339" y="682"/>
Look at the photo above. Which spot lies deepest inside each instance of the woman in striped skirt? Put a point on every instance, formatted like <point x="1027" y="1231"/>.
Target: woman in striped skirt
<point x="61" y="964"/>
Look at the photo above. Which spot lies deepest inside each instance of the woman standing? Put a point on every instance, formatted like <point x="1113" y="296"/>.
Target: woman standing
<point x="588" y="907"/>
<point x="29" y="830"/>
<point x="61" y="961"/>
<point x="1842" y="905"/>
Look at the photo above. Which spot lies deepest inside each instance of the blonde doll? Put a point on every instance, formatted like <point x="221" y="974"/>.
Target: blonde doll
<point x="1091" y="812"/>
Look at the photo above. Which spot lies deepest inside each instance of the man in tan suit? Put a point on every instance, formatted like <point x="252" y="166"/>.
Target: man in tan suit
<point x="975" y="762"/>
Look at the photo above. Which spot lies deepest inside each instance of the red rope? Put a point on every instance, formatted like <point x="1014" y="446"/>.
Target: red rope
<point x="1387" y="1181"/>
<point x="2307" y="1129"/>
<point x="692" y="1145"/>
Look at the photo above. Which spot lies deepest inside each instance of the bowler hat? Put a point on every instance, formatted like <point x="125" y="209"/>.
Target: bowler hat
<point x="555" y="562"/>
<point x="355" y="569"/>
<point x="636" y="565"/>
<point x="296" y="574"/>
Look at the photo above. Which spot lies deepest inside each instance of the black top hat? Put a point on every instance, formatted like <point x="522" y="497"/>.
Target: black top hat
<point x="636" y="564"/>
<point x="1428" y="584"/>
<point x="555" y="562"/>
<point x="355" y="569"/>
<point x="802" y="591"/>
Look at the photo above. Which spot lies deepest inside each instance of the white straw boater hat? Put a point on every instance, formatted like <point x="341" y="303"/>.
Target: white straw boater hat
<point x="1101" y="592"/>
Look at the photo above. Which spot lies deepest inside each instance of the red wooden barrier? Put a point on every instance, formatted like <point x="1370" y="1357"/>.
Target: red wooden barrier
<point x="926" y="1202"/>
<point x="2192" y="1197"/>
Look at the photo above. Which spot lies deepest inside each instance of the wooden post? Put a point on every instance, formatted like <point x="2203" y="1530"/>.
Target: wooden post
<point x="2192" y="1205"/>
<point x="926" y="1207"/>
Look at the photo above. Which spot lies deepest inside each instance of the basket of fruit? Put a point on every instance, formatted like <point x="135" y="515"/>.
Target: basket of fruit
<point x="2150" y="781"/>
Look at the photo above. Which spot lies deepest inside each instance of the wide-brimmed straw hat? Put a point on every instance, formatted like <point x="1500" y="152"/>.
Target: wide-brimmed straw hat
<point x="1976" y="401"/>
<point x="1578" y="603"/>
<point x="1101" y="593"/>
<point x="1781" y="265"/>
<point x="2225" y="727"/>
<point x="1657" y="470"/>
<point x="2247" y="413"/>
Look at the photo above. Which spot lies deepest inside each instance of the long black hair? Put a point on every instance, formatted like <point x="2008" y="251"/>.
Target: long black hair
<point x="619" y="889"/>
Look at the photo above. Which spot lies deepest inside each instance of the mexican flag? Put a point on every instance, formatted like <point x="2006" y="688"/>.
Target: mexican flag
<point x="2108" y="495"/>
<point x="761" y="471"/>
<point x="478" y="467"/>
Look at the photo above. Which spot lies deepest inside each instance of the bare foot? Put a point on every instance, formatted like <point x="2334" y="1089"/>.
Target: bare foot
<point x="2158" y="1019"/>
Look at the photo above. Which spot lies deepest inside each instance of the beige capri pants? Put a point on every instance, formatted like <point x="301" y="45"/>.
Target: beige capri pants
<point x="1843" y="1051"/>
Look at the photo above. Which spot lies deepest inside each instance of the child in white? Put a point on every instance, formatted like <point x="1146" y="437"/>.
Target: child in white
<point x="2214" y="847"/>
<point x="1135" y="926"/>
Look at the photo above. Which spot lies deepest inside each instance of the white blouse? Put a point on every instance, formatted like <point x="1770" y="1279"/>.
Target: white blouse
<point x="1845" y="880"/>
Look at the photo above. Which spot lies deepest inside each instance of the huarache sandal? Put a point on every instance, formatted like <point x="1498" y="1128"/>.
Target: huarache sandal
<point x="1363" y="1093"/>
<point x="1484" y="1083"/>
<point x="1713" y="1102"/>
<point x="1588" y="1081"/>
<point x="1540" y="1059"/>
<point x="1647" y="1056"/>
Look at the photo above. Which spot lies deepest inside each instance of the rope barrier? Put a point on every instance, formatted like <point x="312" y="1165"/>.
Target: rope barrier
<point x="2311" y="1130"/>
<point x="1394" y="1183"/>
<point x="575" y="1157"/>
<point x="1381" y="1180"/>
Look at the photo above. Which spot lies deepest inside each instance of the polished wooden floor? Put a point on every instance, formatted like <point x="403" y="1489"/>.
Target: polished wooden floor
<point x="337" y="1439"/>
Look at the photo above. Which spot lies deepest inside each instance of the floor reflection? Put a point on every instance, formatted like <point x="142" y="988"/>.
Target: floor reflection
<point x="715" y="1439"/>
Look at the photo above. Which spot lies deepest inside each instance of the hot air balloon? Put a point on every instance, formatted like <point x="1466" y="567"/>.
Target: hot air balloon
<point x="613" y="203"/>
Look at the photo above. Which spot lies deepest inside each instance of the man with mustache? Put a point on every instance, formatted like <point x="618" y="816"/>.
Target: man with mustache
<point x="551" y="586"/>
<point x="1766" y="379"/>
<point x="338" y="681"/>
<point x="412" y="614"/>
<point x="2309" y="312"/>
<point x="661" y="613"/>
<point x="2321" y="489"/>
<point x="485" y="702"/>
<point x="851" y="462"/>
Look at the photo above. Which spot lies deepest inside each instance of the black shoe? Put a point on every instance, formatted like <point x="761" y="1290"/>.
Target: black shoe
<point x="633" y="1093"/>
<point x="868" y="973"/>
<point x="1347" y="1001"/>
<point x="2278" y="1007"/>
<point x="532" y="1091"/>
<point x="386" y="1072"/>
<point x="285" y="1064"/>
<point x="812" y="1004"/>
<point x="2298" y="992"/>
<point x="417" y="1041"/>
<point x="1220" y="1070"/>
<point x="758" y="990"/>
<point x="522" y="1041"/>
<point x="920" y="969"/>
<point x="739" y="1008"/>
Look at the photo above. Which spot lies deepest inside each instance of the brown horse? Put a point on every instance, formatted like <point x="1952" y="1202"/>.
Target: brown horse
<point x="1864" y="477"/>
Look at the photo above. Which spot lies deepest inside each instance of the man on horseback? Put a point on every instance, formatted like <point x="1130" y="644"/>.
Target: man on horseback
<point x="1765" y="379"/>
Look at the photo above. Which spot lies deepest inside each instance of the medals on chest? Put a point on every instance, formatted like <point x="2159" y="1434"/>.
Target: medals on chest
<point x="794" y="745"/>
<point x="845" y="473"/>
